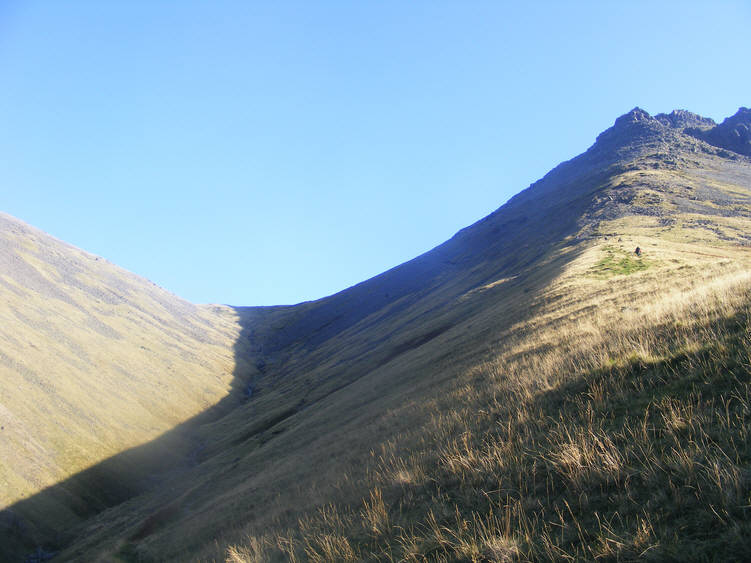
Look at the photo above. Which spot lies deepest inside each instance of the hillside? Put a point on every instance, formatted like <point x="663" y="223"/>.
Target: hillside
<point x="94" y="360"/>
<point x="530" y="389"/>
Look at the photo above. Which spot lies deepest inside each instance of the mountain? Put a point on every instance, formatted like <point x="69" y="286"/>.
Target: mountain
<point x="94" y="360"/>
<point x="532" y="388"/>
<point x="733" y="133"/>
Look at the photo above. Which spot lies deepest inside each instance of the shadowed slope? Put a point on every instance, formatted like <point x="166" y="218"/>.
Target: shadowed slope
<point x="640" y="170"/>
<point x="332" y="381"/>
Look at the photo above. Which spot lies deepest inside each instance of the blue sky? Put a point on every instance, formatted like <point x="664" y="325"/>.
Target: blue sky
<point x="257" y="153"/>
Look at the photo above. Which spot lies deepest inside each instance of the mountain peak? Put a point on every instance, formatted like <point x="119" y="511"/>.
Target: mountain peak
<point x="682" y="119"/>
<point x="636" y="115"/>
<point x="742" y="115"/>
<point x="638" y="128"/>
<point x="734" y="133"/>
<point x="629" y="128"/>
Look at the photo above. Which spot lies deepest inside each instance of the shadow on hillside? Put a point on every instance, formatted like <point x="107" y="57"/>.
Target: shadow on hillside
<point x="34" y="528"/>
<point x="364" y="327"/>
<point x="51" y="519"/>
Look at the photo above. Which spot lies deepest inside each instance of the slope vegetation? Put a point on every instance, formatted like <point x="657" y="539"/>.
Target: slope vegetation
<point x="531" y="389"/>
<point x="601" y="413"/>
<point x="94" y="360"/>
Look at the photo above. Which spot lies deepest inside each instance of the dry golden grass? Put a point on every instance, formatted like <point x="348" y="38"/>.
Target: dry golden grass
<point x="612" y="424"/>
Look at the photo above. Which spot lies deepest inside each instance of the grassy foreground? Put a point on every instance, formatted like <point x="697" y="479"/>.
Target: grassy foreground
<point x="613" y="424"/>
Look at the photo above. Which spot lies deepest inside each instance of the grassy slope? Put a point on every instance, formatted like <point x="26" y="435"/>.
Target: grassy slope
<point x="484" y="450"/>
<point x="603" y="428"/>
<point x="582" y="430"/>
<point x="94" y="360"/>
<point x="518" y="405"/>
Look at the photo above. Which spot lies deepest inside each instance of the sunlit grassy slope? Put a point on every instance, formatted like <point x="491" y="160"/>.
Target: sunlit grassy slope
<point x="612" y="424"/>
<point x="602" y="414"/>
<point x="93" y="360"/>
<point x="531" y="389"/>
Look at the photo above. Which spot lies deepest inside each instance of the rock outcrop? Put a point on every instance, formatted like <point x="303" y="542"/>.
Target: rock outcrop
<point x="733" y="134"/>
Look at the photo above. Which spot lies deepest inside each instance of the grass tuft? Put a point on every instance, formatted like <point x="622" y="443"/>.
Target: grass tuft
<point x="618" y="262"/>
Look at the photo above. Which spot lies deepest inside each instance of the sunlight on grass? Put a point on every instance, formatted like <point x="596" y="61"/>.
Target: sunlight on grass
<point x="600" y="429"/>
<point x="618" y="262"/>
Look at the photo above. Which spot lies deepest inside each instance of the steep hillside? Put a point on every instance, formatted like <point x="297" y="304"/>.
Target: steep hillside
<point x="94" y="360"/>
<point x="521" y="391"/>
<point x="500" y="397"/>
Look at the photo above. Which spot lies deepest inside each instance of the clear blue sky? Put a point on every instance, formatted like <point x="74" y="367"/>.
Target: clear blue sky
<point x="272" y="152"/>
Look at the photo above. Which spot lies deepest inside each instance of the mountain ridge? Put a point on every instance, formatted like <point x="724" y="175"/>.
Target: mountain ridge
<point x="732" y="134"/>
<point x="94" y="360"/>
<point x="319" y="372"/>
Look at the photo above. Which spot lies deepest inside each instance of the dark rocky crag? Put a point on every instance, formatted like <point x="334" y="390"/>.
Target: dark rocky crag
<point x="733" y="134"/>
